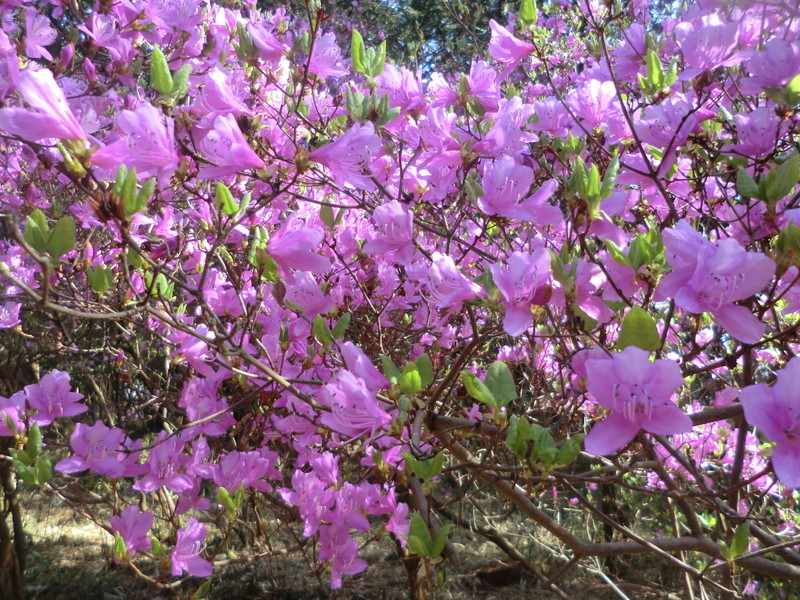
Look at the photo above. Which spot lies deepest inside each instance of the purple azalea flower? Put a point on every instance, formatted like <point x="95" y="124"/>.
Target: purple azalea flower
<point x="97" y="448"/>
<point x="164" y="461"/>
<point x="185" y="557"/>
<point x="506" y="184"/>
<point x="38" y="34"/>
<point x="505" y="47"/>
<point x="244" y="468"/>
<point x="12" y="408"/>
<point x="447" y="286"/>
<point x="354" y="410"/>
<point x="775" y="410"/>
<point x="224" y="145"/>
<point x="706" y="44"/>
<point x="133" y="525"/>
<point x="638" y="393"/>
<point x="49" y="115"/>
<point x="710" y="277"/>
<point x="303" y="291"/>
<point x="148" y="144"/>
<point x="359" y="365"/>
<point x="293" y="247"/>
<point x="52" y="398"/>
<point x="483" y="84"/>
<point x="326" y="58"/>
<point x="394" y="232"/>
<point x="523" y="281"/>
<point x="349" y="155"/>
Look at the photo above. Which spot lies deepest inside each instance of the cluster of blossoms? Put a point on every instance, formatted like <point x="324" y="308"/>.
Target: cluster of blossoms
<point x="274" y="218"/>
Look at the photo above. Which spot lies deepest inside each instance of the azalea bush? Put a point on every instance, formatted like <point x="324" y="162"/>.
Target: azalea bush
<point x="260" y="284"/>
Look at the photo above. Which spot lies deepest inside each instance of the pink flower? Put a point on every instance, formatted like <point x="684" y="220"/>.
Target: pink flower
<point x="757" y="132"/>
<point x="595" y="103"/>
<point x="294" y="246"/>
<point x="483" y="84"/>
<point x="359" y="365"/>
<point x="97" y="448"/>
<point x="225" y="147"/>
<point x="638" y="393"/>
<point x="185" y="557"/>
<point x="9" y="315"/>
<point x="148" y="144"/>
<point x="304" y="292"/>
<point x="326" y="58"/>
<point x="354" y="410"/>
<point x="244" y="468"/>
<point x="164" y="461"/>
<point x="403" y="87"/>
<point x="711" y="277"/>
<point x="394" y="232"/>
<point x="49" y="115"/>
<point x="133" y="525"/>
<point x="774" y="66"/>
<point x="12" y="409"/>
<point x="775" y="410"/>
<point x="217" y="97"/>
<point x="350" y="155"/>
<point x="523" y="281"/>
<point x="506" y="48"/>
<point x="506" y="184"/>
<point x="38" y="34"/>
<point x="52" y="398"/>
<point x="447" y="285"/>
<point x="706" y="44"/>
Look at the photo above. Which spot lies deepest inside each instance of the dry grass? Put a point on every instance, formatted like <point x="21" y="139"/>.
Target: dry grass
<point x="70" y="559"/>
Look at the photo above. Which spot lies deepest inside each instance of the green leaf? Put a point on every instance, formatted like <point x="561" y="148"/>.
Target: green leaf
<point x="740" y="541"/>
<point x="544" y="448"/>
<point x="203" y="589"/>
<point x="321" y="331"/>
<point x="478" y="390"/>
<point x="570" y="450"/>
<point x="781" y="181"/>
<point x="120" y="550"/>
<point x="341" y="326"/>
<point x="655" y="71"/>
<point x="791" y="91"/>
<point x="419" y="536"/>
<point x="144" y="195"/>
<point x="527" y="12"/>
<point x="610" y="178"/>
<point x="357" y="51"/>
<point x="410" y="379"/>
<point x="425" y="368"/>
<point x="180" y="82"/>
<point x="224" y="200"/>
<point x="441" y="539"/>
<point x="160" y="75"/>
<point x="500" y="383"/>
<point x="36" y="231"/>
<point x="33" y="445"/>
<point x="99" y="278"/>
<point x="639" y="329"/>
<point x="326" y="215"/>
<point x="43" y="470"/>
<point x="746" y="185"/>
<point x="392" y="372"/>
<point x="128" y="192"/>
<point x="424" y="469"/>
<point x="156" y="547"/>
<point x="617" y="254"/>
<point x="518" y="434"/>
<point x="380" y="60"/>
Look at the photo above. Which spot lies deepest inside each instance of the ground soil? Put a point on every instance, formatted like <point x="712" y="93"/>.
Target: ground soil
<point x="70" y="559"/>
